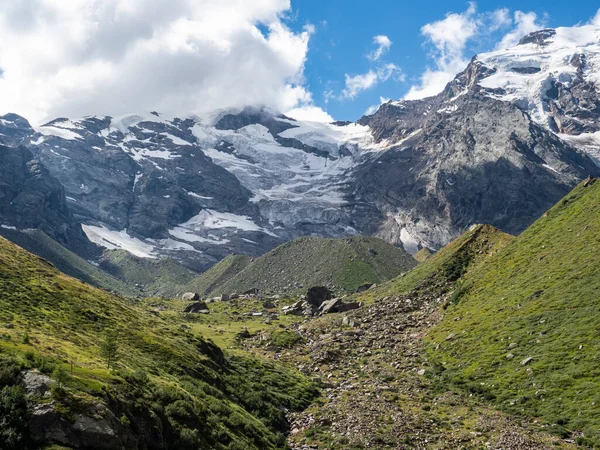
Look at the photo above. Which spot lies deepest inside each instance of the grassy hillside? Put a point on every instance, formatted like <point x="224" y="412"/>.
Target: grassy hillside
<point x="523" y="331"/>
<point x="66" y="261"/>
<point x="474" y="248"/>
<point x="218" y="275"/>
<point x="155" y="277"/>
<point x="341" y="264"/>
<point x="168" y="386"/>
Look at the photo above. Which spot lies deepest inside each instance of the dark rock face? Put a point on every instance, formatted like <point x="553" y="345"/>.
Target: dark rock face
<point x="457" y="164"/>
<point x="196" y="307"/>
<point x="539" y="37"/>
<point x="315" y="296"/>
<point x="30" y="197"/>
<point x="95" y="428"/>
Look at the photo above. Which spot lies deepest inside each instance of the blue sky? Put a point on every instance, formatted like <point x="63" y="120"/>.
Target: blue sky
<point x="344" y="32"/>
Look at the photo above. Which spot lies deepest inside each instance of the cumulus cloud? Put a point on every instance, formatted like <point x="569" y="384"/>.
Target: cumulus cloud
<point x="449" y="38"/>
<point x="383" y="45"/>
<point x="309" y="114"/>
<point x="525" y="23"/>
<point x="355" y="84"/>
<point x="78" y="57"/>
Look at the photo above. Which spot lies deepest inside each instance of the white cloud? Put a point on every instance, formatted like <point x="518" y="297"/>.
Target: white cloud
<point x="383" y="45"/>
<point x="355" y="84"/>
<point x="525" y="23"/>
<point x="499" y="18"/>
<point x="359" y="83"/>
<point x="450" y="36"/>
<point x="373" y="108"/>
<point x="309" y="114"/>
<point x="78" y="57"/>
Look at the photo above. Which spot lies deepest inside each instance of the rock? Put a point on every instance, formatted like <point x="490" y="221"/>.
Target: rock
<point x="526" y="361"/>
<point x="190" y="296"/>
<point x="197" y="307"/>
<point x="512" y="345"/>
<point x="510" y="356"/>
<point x="364" y="287"/>
<point x="252" y="292"/>
<point x="348" y="322"/>
<point x="36" y="383"/>
<point x="9" y="326"/>
<point x="269" y="305"/>
<point x="450" y="337"/>
<point x="536" y="294"/>
<point x="224" y="298"/>
<point x="96" y="427"/>
<point x="336" y="305"/>
<point x="316" y="295"/>
<point x="349" y="306"/>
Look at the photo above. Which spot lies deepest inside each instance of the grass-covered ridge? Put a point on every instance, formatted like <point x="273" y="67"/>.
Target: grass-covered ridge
<point x="39" y="243"/>
<point x="341" y="264"/>
<point x="165" y="377"/>
<point x="470" y="250"/>
<point x="524" y="332"/>
<point x="219" y="274"/>
<point x="163" y="277"/>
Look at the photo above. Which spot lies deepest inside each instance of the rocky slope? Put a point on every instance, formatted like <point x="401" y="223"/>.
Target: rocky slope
<point x="30" y="197"/>
<point x="505" y="140"/>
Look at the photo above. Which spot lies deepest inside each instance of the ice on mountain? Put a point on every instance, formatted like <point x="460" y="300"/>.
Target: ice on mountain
<point x="112" y="240"/>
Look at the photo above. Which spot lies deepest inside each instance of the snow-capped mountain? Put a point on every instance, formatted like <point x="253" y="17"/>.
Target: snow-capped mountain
<point x="505" y="140"/>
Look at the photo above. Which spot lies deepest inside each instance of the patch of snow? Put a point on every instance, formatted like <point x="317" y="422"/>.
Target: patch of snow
<point x="138" y="177"/>
<point x="550" y="168"/>
<point x="62" y="133"/>
<point x="8" y="227"/>
<point x="176" y="140"/>
<point x="107" y="238"/>
<point x="38" y="141"/>
<point x="209" y="219"/>
<point x="410" y="244"/>
<point x="193" y="194"/>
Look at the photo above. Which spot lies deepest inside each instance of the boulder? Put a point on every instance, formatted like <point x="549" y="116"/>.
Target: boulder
<point x="330" y="306"/>
<point x="197" y="308"/>
<point x="348" y="306"/>
<point x="337" y="305"/>
<point x="364" y="287"/>
<point x="225" y="297"/>
<point x="36" y="383"/>
<point x="316" y="295"/>
<point x="95" y="427"/>
<point x="297" y="309"/>
<point x="190" y="296"/>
